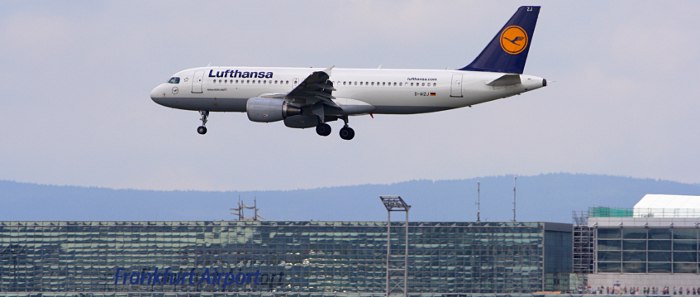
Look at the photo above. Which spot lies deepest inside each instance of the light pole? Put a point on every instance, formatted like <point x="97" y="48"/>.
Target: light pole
<point x="396" y="264"/>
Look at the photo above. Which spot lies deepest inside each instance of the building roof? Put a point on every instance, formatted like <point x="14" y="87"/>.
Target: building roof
<point x="668" y="206"/>
<point x="669" y="201"/>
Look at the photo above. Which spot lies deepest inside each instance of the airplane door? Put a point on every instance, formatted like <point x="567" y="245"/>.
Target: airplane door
<point x="456" y="89"/>
<point x="197" y="82"/>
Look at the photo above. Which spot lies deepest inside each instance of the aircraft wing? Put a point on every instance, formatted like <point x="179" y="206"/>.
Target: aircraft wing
<point x="314" y="89"/>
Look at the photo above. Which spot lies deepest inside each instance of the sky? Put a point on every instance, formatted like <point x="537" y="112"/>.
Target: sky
<point x="75" y="106"/>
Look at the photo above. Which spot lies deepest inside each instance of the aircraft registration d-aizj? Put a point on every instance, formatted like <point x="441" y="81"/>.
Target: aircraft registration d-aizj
<point x="308" y="97"/>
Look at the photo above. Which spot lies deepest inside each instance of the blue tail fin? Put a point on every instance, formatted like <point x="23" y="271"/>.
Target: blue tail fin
<point x="508" y="50"/>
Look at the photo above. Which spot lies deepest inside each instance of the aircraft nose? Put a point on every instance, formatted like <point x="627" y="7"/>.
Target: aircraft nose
<point x="158" y="94"/>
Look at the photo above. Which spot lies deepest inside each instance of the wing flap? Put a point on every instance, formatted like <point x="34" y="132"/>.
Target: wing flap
<point x="316" y="87"/>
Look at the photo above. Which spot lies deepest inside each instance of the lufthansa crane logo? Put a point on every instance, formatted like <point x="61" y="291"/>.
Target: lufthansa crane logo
<point x="514" y="40"/>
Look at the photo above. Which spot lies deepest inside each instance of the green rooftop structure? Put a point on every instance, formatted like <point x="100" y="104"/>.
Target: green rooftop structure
<point x="609" y="212"/>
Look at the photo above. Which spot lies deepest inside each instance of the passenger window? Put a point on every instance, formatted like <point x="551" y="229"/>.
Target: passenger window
<point x="434" y="84"/>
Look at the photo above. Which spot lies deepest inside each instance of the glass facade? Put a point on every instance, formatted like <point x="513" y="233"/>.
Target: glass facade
<point x="303" y="258"/>
<point x="558" y="262"/>
<point x="648" y="250"/>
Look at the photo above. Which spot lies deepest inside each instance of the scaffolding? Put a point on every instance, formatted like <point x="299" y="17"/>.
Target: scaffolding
<point x="240" y="211"/>
<point x="583" y="247"/>
<point x="396" y="261"/>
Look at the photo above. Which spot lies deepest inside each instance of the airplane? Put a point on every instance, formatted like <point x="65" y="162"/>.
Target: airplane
<point x="313" y="97"/>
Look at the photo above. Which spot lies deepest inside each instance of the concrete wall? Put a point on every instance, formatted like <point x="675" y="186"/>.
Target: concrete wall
<point x="658" y="280"/>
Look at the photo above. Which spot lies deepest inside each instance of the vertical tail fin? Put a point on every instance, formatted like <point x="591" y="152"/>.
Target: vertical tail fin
<point x="508" y="50"/>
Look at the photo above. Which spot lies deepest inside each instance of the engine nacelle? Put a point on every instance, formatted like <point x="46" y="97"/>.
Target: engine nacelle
<point x="267" y="110"/>
<point x="301" y="121"/>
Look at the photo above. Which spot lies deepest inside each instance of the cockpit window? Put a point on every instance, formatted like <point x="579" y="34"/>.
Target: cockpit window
<point x="174" y="80"/>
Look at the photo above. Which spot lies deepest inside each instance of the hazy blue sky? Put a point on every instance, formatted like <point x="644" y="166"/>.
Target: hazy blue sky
<point x="76" y="77"/>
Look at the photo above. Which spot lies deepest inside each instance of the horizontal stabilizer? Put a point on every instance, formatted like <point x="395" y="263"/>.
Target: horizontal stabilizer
<point x="505" y="80"/>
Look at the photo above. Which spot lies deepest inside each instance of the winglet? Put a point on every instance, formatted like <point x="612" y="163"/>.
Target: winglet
<point x="507" y="51"/>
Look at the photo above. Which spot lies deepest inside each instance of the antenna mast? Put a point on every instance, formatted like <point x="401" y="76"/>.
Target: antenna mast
<point x="515" y="191"/>
<point x="478" y="202"/>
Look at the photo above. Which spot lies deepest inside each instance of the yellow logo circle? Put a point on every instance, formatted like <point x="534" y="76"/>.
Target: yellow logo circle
<point x="513" y="40"/>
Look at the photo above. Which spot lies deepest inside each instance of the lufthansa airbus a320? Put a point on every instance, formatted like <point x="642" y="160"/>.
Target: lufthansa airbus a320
<point x="308" y="97"/>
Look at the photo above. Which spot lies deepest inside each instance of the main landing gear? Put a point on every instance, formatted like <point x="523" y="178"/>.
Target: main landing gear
<point x="346" y="132"/>
<point x="323" y="129"/>
<point x="203" y="129"/>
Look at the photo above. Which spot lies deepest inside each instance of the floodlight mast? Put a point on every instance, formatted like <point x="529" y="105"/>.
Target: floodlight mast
<point x="394" y="203"/>
<point x="395" y="268"/>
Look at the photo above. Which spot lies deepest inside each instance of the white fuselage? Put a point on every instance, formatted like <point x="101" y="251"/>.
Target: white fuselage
<point x="377" y="91"/>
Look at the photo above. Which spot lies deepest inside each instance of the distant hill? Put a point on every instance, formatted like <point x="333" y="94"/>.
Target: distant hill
<point x="549" y="197"/>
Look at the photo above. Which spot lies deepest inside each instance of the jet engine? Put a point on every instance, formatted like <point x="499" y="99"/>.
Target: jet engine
<point x="265" y="110"/>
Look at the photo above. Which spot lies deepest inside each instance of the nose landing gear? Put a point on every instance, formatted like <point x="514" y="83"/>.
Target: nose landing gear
<point x="203" y="129"/>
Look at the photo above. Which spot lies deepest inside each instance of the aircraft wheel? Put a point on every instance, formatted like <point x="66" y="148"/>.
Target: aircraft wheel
<point x="323" y="129"/>
<point x="202" y="130"/>
<point x="347" y="133"/>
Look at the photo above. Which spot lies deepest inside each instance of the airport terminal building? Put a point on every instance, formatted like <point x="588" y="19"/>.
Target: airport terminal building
<point x="279" y="258"/>
<point x="655" y="245"/>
